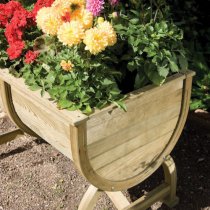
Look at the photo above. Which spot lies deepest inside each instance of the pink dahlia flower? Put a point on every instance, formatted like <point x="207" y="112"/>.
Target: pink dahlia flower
<point x="95" y="6"/>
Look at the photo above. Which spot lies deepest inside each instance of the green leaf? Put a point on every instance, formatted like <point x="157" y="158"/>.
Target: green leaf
<point x="88" y="110"/>
<point x="121" y="105"/>
<point x="63" y="104"/>
<point x="46" y="67"/>
<point x="141" y="80"/>
<point x="163" y="71"/>
<point x="152" y="74"/>
<point x="173" y="66"/>
<point x="183" y="63"/>
<point x="134" y="21"/>
<point x="115" y="91"/>
<point x="50" y="77"/>
<point x="131" y="66"/>
<point x="107" y="82"/>
<point x="196" y="103"/>
<point x="34" y="87"/>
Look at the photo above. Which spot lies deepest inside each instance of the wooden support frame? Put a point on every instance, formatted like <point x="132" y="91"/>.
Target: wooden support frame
<point x="165" y="192"/>
<point x="11" y="135"/>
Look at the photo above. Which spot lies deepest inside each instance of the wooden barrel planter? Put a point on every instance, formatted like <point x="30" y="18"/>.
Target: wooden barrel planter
<point x="114" y="150"/>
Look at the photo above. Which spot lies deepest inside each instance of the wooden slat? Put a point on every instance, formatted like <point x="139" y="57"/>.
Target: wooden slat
<point x="139" y="97"/>
<point x="75" y="117"/>
<point x="135" y="162"/>
<point x="172" y="84"/>
<point x="141" y="109"/>
<point x="8" y="107"/>
<point x="37" y="117"/>
<point x="131" y="145"/>
<point x="150" y="198"/>
<point x="38" y="111"/>
<point x="90" y="198"/>
<point x="11" y="135"/>
<point x="119" y="200"/>
<point x="135" y="130"/>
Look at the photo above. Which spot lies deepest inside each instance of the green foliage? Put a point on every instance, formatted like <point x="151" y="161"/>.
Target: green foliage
<point x="153" y="47"/>
<point x="90" y="84"/>
<point x="193" y="17"/>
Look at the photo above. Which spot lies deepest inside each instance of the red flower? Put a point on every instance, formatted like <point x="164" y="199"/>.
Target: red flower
<point x="66" y="17"/>
<point x="15" y="19"/>
<point x="30" y="56"/>
<point x="14" y="51"/>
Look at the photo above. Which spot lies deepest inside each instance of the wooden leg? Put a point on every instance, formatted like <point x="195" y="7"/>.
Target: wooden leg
<point x="90" y="198"/>
<point x="170" y="173"/>
<point x="165" y="192"/>
<point x="119" y="200"/>
<point x="9" y="136"/>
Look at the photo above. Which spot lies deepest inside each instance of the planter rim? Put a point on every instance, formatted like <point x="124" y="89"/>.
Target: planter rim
<point x="77" y="117"/>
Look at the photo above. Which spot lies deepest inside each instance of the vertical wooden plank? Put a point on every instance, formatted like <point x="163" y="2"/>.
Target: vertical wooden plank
<point x="90" y="198"/>
<point x="119" y="200"/>
<point x="170" y="173"/>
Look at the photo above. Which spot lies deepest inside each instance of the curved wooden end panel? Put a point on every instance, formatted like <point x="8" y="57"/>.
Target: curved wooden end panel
<point x="130" y="168"/>
<point x="8" y="106"/>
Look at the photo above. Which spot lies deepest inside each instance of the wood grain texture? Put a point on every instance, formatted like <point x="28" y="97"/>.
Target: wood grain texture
<point x="56" y="130"/>
<point x="118" y="199"/>
<point x="135" y="162"/>
<point x="8" y="107"/>
<point x="90" y="198"/>
<point x="128" y="133"/>
<point x="138" y="111"/>
<point x="130" y="143"/>
<point x="142" y="139"/>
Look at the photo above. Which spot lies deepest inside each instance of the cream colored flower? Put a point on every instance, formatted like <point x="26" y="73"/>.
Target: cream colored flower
<point x="48" y="20"/>
<point x="108" y="31"/>
<point x="95" y="41"/>
<point x="71" y="33"/>
<point x="66" y="65"/>
<point x="83" y="16"/>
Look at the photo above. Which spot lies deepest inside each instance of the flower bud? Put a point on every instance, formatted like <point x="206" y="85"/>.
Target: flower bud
<point x="115" y="15"/>
<point x="100" y="20"/>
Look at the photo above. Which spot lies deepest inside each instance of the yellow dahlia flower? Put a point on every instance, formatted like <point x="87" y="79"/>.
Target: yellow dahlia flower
<point x="66" y="65"/>
<point x="108" y="31"/>
<point x="83" y="16"/>
<point x="63" y="6"/>
<point x="48" y="20"/>
<point x="95" y="41"/>
<point x="71" y="33"/>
